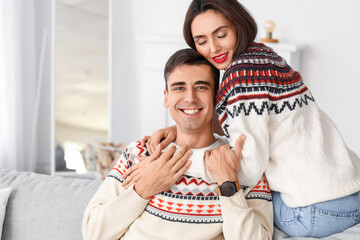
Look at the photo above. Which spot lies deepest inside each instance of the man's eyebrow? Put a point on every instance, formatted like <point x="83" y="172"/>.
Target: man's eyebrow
<point x="215" y="31"/>
<point x="196" y="83"/>
<point x="202" y="82"/>
<point x="177" y="84"/>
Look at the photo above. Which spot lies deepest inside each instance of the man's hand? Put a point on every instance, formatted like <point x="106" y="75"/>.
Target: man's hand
<point x="223" y="163"/>
<point x="134" y="173"/>
<point x="161" y="173"/>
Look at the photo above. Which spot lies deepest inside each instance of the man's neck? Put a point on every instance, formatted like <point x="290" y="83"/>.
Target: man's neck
<point x="195" y="139"/>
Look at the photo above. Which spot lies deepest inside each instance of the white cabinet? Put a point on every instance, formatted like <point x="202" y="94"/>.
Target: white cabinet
<point x="290" y="52"/>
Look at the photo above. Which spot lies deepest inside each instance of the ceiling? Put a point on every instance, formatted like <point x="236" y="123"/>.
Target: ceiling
<point x="81" y="64"/>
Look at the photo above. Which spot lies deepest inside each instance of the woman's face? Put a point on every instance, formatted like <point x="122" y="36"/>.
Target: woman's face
<point x="215" y="38"/>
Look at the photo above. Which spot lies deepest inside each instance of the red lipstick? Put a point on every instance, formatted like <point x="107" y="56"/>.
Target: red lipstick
<point x="220" y="58"/>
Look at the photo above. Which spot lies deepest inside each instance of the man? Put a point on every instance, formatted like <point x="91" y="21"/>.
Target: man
<point x="179" y="198"/>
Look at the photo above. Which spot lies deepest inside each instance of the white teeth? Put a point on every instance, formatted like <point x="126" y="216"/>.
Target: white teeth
<point x="191" y="111"/>
<point x="221" y="57"/>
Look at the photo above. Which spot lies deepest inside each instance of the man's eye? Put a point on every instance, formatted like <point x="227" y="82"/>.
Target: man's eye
<point x="201" y="87"/>
<point x="178" y="88"/>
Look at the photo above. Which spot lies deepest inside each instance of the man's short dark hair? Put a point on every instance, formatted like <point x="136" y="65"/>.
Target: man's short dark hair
<point x="188" y="56"/>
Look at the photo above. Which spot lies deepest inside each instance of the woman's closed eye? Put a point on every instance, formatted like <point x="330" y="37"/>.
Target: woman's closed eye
<point x="201" y="42"/>
<point x="222" y="35"/>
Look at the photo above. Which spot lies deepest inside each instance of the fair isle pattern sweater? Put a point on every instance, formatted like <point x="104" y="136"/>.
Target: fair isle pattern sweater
<point x="190" y="209"/>
<point x="288" y="137"/>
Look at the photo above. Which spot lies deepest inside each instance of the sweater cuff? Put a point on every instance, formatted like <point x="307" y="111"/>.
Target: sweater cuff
<point x="236" y="201"/>
<point x="132" y="201"/>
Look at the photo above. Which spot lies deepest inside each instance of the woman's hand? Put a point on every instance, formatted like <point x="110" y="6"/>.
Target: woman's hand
<point x="223" y="163"/>
<point x="162" y="137"/>
<point x="161" y="173"/>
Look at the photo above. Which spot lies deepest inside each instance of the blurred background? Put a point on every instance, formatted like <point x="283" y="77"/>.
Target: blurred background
<point x="82" y="78"/>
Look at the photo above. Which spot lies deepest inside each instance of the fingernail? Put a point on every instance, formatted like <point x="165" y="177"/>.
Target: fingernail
<point x="243" y="137"/>
<point x="189" y="151"/>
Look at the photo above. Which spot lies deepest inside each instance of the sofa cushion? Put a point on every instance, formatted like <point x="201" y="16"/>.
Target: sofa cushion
<point x="45" y="207"/>
<point x="4" y="195"/>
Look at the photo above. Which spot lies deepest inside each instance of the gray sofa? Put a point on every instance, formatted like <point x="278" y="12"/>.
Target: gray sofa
<point x="51" y="208"/>
<point x="44" y="207"/>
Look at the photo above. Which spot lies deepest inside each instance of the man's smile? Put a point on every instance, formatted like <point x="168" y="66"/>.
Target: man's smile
<point x="191" y="111"/>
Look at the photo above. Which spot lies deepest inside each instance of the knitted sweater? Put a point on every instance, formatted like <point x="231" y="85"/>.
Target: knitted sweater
<point x="190" y="209"/>
<point x="288" y="137"/>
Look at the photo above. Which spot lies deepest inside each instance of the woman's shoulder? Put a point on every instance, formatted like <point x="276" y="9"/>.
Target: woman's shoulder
<point x="258" y="49"/>
<point x="258" y="55"/>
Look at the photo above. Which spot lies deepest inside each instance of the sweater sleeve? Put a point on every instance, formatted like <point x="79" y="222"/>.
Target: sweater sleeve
<point x="253" y="94"/>
<point x="239" y="114"/>
<point x="112" y="209"/>
<point x="248" y="216"/>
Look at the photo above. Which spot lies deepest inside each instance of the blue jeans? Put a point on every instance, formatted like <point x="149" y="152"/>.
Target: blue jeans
<point x="317" y="220"/>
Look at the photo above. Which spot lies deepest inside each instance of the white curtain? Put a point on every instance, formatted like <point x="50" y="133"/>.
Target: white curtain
<point x="17" y="84"/>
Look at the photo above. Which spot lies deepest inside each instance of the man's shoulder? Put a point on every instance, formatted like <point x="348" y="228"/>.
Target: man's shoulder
<point x="135" y="148"/>
<point x="127" y="159"/>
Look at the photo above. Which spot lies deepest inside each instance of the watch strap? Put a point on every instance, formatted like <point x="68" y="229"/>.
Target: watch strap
<point x="237" y="186"/>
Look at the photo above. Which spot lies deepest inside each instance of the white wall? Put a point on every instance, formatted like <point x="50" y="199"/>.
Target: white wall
<point x="124" y="100"/>
<point x="43" y="22"/>
<point x="329" y="28"/>
<point x="329" y="64"/>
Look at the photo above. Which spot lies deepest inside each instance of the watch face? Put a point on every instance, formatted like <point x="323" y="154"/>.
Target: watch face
<point x="228" y="189"/>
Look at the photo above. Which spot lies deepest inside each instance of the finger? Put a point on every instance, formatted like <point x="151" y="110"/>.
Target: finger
<point x="156" y="137"/>
<point x="179" y="155"/>
<point x="141" y="157"/>
<point x="156" y="154"/>
<point x="148" y="147"/>
<point x="223" y="147"/>
<point x="130" y="170"/>
<point x="168" y="154"/>
<point x="146" y="138"/>
<point x="128" y="179"/>
<point x="239" y="145"/>
<point x="182" y="170"/>
<point x="133" y="181"/>
<point x="153" y="147"/>
<point x="164" y="143"/>
<point x="180" y="163"/>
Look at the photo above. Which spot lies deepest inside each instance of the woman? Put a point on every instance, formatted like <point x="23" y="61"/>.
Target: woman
<point x="314" y="176"/>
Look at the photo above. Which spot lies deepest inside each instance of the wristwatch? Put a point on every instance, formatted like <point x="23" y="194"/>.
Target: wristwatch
<point x="228" y="188"/>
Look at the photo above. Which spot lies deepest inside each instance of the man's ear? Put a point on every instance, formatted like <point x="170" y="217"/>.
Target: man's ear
<point x="166" y="104"/>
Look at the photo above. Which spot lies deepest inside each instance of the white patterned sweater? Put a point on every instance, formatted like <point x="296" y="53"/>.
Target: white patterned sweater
<point x="190" y="209"/>
<point x="287" y="136"/>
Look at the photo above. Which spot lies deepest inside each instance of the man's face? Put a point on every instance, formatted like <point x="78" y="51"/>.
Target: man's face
<point x="190" y="97"/>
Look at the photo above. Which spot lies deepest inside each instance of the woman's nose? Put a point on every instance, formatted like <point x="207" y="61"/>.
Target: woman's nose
<point x="214" y="46"/>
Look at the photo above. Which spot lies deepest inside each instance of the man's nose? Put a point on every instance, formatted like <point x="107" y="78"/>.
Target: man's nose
<point x="190" y="96"/>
